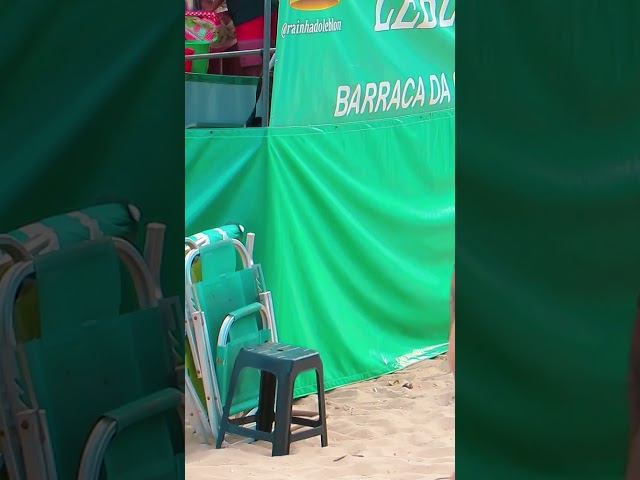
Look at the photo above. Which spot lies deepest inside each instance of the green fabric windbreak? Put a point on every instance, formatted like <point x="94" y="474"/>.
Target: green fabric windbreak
<point x="354" y="229"/>
<point x="548" y="238"/>
<point x="356" y="61"/>
<point x="239" y="158"/>
<point x="92" y="112"/>
<point x="104" y="126"/>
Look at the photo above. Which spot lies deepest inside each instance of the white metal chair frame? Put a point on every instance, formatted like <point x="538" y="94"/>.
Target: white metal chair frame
<point x="205" y="421"/>
<point x="28" y="452"/>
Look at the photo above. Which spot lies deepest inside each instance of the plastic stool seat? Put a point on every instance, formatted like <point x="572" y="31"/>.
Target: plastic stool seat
<point x="280" y="365"/>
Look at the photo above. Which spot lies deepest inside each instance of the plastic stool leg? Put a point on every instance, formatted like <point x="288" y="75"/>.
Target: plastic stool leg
<point x="284" y="405"/>
<point x="322" y="409"/>
<point x="265" y="414"/>
<point x="224" y="421"/>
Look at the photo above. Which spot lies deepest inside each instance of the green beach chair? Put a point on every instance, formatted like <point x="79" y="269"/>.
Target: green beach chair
<point x="112" y="218"/>
<point x="97" y="393"/>
<point x="108" y="219"/>
<point x="229" y="308"/>
<point x="193" y="272"/>
<point x="195" y="397"/>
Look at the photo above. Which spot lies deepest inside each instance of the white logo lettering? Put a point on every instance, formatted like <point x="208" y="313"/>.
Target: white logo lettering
<point x="410" y="12"/>
<point x="383" y="96"/>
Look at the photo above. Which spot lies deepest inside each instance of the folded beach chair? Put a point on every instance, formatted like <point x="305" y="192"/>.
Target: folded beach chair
<point x="228" y="308"/>
<point x="112" y="218"/>
<point x="96" y="393"/>
<point x="108" y="219"/>
<point x="194" y="389"/>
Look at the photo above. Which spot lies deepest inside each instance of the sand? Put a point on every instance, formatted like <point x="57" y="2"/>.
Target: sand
<point x="379" y="429"/>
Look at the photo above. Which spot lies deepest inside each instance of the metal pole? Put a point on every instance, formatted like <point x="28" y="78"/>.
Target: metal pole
<point x="153" y="249"/>
<point x="235" y="53"/>
<point x="266" y="52"/>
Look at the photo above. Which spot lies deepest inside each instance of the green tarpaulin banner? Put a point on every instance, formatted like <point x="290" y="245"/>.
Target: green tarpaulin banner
<point x="548" y="237"/>
<point x="347" y="61"/>
<point x="354" y="228"/>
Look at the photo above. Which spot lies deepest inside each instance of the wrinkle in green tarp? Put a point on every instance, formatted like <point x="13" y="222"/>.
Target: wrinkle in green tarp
<point x="354" y="228"/>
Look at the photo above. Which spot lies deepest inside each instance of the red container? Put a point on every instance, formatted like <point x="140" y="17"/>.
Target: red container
<point x="187" y="63"/>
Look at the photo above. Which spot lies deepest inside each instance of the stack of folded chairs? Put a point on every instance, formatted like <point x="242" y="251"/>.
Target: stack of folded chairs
<point x="92" y="377"/>
<point x="227" y="307"/>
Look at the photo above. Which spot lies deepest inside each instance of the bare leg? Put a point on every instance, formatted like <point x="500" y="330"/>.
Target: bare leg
<point x="633" y="464"/>
<point x="452" y="328"/>
<point x="452" y="332"/>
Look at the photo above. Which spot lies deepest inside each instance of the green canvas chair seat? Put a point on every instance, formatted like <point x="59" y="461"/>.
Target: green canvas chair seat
<point x="93" y="363"/>
<point x="60" y="231"/>
<point x="237" y="294"/>
<point x="224" y="290"/>
<point x="195" y="241"/>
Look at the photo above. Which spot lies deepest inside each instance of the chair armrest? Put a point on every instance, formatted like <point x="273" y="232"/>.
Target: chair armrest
<point x="229" y="320"/>
<point x="119" y="419"/>
<point x="246" y="310"/>
<point x="145" y="407"/>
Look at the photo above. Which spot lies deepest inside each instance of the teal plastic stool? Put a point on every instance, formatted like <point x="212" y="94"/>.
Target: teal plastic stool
<point x="280" y="365"/>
